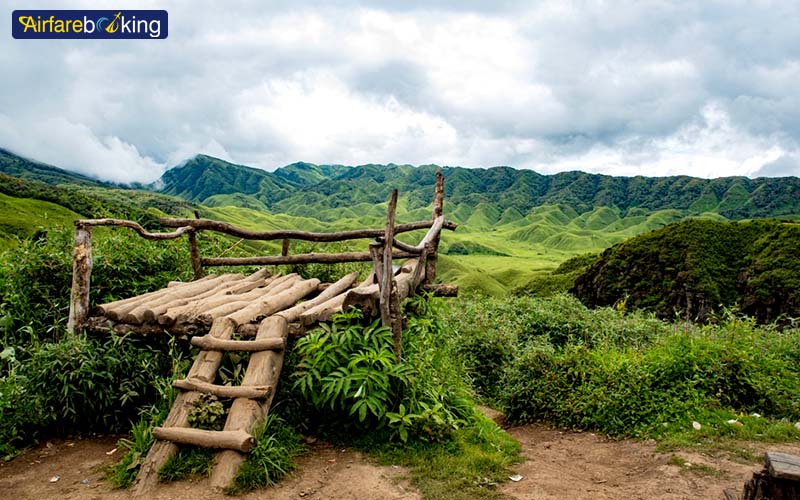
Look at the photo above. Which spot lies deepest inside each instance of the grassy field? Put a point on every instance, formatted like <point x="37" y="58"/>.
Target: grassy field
<point x="22" y="217"/>
<point x="490" y="251"/>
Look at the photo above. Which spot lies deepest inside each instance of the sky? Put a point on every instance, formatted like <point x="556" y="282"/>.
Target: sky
<point x="653" y="88"/>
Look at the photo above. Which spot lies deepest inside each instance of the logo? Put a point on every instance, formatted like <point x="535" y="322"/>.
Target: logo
<point x="90" y="24"/>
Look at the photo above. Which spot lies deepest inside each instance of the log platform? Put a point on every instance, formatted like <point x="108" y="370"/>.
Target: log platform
<point x="255" y="313"/>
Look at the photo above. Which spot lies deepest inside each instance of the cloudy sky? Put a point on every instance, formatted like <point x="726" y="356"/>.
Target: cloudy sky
<point x="642" y="87"/>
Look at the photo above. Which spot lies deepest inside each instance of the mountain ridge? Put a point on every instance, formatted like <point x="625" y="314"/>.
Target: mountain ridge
<point x="293" y="188"/>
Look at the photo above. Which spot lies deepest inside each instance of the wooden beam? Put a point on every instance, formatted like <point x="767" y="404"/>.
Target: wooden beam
<point x="302" y="258"/>
<point x="136" y="227"/>
<point x="214" y="344"/>
<point x="228" y="440"/>
<point x="194" y="253"/>
<point x="224" y="391"/>
<point x="81" y="278"/>
<point x="292" y="314"/>
<point x="386" y="273"/>
<point x="224" y="227"/>
<point x="433" y="244"/>
<point x="274" y="303"/>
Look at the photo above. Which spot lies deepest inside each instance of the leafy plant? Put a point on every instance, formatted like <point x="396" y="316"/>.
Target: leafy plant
<point x="207" y="413"/>
<point x="351" y="369"/>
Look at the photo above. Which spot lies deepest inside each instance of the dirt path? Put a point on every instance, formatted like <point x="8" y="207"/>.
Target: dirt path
<point x="560" y="465"/>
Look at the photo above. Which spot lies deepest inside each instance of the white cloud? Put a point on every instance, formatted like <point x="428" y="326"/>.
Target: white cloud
<point x="652" y="88"/>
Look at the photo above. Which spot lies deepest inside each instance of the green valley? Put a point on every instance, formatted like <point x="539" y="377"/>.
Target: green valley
<point x="515" y="226"/>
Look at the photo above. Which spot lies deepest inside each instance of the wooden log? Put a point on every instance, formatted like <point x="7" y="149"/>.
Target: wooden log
<point x="224" y="391"/>
<point x="275" y="303"/>
<point x="387" y="274"/>
<point x="367" y="298"/>
<point x="301" y="258"/>
<point x="137" y="314"/>
<point x="214" y="344"/>
<point x="292" y="314"/>
<point x="442" y="290"/>
<point x="194" y="253"/>
<point x="116" y="310"/>
<point x="101" y="324"/>
<point x="224" y="227"/>
<point x="285" y="247"/>
<point x="192" y="311"/>
<point x="204" y="368"/>
<point x="136" y="227"/>
<point x="438" y="211"/>
<point x="376" y="251"/>
<point x="179" y="283"/>
<point x="782" y="465"/>
<point x="168" y="310"/>
<point x="264" y="368"/>
<point x="323" y="311"/>
<point x="276" y="287"/>
<point x="81" y="278"/>
<point x="229" y="440"/>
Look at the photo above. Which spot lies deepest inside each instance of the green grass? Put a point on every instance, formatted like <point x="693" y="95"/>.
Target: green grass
<point x="22" y="217"/>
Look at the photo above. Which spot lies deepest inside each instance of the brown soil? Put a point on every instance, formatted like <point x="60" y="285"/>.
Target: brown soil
<point x="559" y="465"/>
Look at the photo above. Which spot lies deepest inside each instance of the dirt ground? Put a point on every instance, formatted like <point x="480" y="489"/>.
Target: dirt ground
<point x="559" y="465"/>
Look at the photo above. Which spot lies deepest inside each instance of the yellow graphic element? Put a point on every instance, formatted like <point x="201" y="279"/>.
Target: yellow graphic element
<point x="28" y="23"/>
<point x="113" y="26"/>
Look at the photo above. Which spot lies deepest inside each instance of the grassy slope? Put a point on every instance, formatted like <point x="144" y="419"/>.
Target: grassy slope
<point x="22" y="217"/>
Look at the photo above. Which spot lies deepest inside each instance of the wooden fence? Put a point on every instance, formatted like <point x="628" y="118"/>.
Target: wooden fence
<point x="390" y="290"/>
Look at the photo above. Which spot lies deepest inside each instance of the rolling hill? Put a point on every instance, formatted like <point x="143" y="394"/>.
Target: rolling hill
<point x="694" y="268"/>
<point x="515" y="225"/>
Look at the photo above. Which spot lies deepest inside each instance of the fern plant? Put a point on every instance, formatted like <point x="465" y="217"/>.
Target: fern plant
<point x="350" y="368"/>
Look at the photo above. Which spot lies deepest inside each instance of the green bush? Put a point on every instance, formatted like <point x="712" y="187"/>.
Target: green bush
<point x="348" y="373"/>
<point x="553" y="360"/>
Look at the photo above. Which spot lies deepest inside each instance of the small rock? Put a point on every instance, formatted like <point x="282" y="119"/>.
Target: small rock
<point x="310" y="439"/>
<point x="735" y="422"/>
<point x="755" y="415"/>
<point x="797" y="424"/>
<point x="84" y="481"/>
<point x="516" y="478"/>
<point x="55" y="478"/>
<point x="696" y="425"/>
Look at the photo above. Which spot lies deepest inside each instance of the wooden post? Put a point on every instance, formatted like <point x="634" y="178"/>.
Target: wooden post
<point x="81" y="278"/>
<point x="376" y="252"/>
<point x="197" y="263"/>
<point x="285" y="247"/>
<point x="438" y="208"/>
<point x="389" y="302"/>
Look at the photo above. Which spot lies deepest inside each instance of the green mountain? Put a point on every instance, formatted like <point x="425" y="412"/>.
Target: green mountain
<point x="693" y="268"/>
<point x="515" y="225"/>
<point x="204" y="176"/>
<point x="488" y="196"/>
<point x="17" y="166"/>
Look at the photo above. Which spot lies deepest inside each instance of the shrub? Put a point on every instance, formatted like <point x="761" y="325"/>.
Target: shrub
<point x="348" y="372"/>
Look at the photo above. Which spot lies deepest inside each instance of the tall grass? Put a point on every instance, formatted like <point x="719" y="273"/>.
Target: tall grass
<point x="628" y="374"/>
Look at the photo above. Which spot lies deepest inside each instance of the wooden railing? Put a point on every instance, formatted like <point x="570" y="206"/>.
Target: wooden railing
<point x="391" y="290"/>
